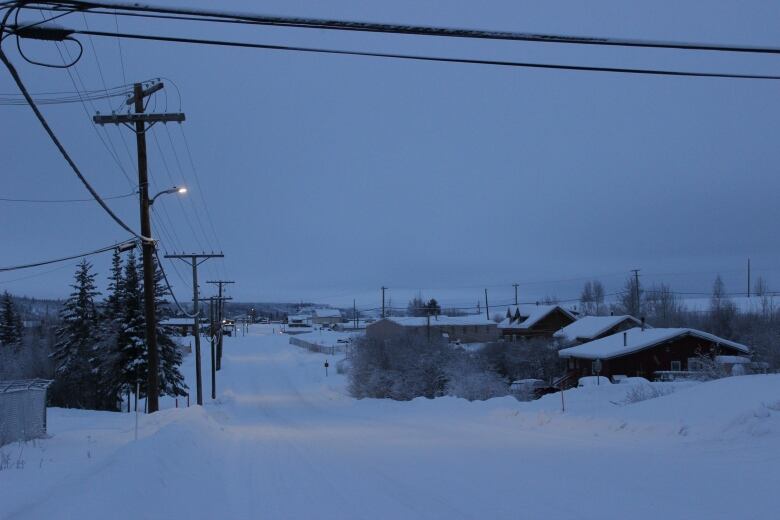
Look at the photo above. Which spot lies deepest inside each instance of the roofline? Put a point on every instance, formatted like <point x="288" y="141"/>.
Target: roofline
<point x="601" y="331"/>
<point x="683" y="332"/>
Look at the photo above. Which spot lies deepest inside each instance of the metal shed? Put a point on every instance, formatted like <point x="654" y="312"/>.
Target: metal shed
<point x="22" y="409"/>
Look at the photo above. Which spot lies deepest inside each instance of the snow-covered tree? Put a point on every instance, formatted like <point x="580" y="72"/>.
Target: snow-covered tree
<point x="75" y="376"/>
<point x="10" y="322"/>
<point x="127" y="366"/>
<point x="170" y="377"/>
<point x="112" y="385"/>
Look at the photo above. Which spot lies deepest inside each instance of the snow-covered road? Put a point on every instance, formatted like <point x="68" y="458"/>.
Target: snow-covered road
<point x="284" y="441"/>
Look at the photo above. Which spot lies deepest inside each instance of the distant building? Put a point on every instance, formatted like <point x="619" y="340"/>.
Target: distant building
<point x="467" y="329"/>
<point x="532" y="321"/>
<point x="326" y="316"/>
<point x="352" y="325"/>
<point x="651" y="353"/>
<point x="298" y="321"/>
<point x="181" y="326"/>
<point x="590" y="328"/>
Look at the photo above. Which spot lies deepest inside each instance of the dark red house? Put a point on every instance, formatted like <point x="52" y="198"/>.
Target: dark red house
<point x="532" y="321"/>
<point x="649" y="353"/>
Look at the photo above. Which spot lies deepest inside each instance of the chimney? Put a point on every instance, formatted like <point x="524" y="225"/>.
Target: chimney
<point x="643" y="323"/>
<point x="625" y="339"/>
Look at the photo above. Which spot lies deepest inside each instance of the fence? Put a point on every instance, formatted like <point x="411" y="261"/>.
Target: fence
<point x="22" y="409"/>
<point x="330" y="349"/>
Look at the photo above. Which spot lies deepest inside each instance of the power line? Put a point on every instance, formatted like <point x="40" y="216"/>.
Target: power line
<point x="127" y="244"/>
<point x="203" y="15"/>
<point x="57" y="201"/>
<point x="36" y="275"/>
<point x="18" y="80"/>
<point x="413" y="57"/>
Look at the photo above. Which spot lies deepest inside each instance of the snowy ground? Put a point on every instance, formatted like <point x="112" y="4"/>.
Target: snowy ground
<point x="284" y="441"/>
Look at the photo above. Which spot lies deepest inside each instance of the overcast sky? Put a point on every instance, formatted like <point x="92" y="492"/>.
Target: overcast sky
<point x="326" y="177"/>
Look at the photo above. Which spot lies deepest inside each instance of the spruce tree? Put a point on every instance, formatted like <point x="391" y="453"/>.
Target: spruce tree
<point x="171" y="380"/>
<point x="112" y="385"/>
<point x="10" y="322"/>
<point x="75" y="375"/>
<point x="128" y="364"/>
<point x="131" y="367"/>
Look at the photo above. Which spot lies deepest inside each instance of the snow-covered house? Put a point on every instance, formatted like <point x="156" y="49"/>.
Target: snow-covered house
<point x="326" y="316"/>
<point x="298" y="321"/>
<point x="529" y="321"/>
<point x="589" y="328"/>
<point x="650" y="353"/>
<point x="352" y="325"/>
<point x="474" y="328"/>
<point x="182" y="326"/>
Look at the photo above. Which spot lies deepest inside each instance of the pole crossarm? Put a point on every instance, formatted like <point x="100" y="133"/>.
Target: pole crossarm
<point x="119" y="119"/>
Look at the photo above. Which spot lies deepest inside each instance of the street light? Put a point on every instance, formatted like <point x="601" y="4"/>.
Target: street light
<point x="175" y="189"/>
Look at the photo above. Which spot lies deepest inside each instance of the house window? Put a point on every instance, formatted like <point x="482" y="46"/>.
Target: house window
<point x="676" y="366"/>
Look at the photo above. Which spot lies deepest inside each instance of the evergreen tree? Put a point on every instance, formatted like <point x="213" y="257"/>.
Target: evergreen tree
<point x="129" y="367"/>
<point x="170" y="378"/>
<point x="10" y="322"/>
<point x="111" y="384"/>
<point x="75" y="376"/>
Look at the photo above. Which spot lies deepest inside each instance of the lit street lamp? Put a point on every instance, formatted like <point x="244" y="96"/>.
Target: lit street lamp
<point x="175" y="189"/>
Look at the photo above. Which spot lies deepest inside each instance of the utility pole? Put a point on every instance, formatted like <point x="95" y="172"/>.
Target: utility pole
<point x="195" y="259"/>
<point x="355" y="314"/>
<point x="636" y="289"/>
<point x="487" y="307"/>
<point x="140" y="120"/>
<point x="383" y="300"/>
<point x="220" y="284"/>
<point x="215" y="335"/>
<point x="212" y="333"/>
<point x="515" y="285"/>
<point x="748" y="280"/>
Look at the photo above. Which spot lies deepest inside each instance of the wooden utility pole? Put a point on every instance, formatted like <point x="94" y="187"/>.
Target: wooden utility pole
<point x="487" y="307"/>
<point x="212" y="337"/>
<point x="383" y="300"/>
<point x="220" y="316"/>
<point x="215" y="335"/>
<point x="515" y="285"/>
<point x="195" y="259"/>
<point x="140" y="120"/>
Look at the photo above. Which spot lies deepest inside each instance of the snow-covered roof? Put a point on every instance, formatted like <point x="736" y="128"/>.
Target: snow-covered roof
<point x="530" y="315"/>
<point x="177" y="321"/>
<point x="21" y="385"/>
<point x="298" y="317"/>
<point x="421" y="321"/>
<point x="590" y="327"/>
<point x="636" y="340"/>
<point x="327" y="313"/>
